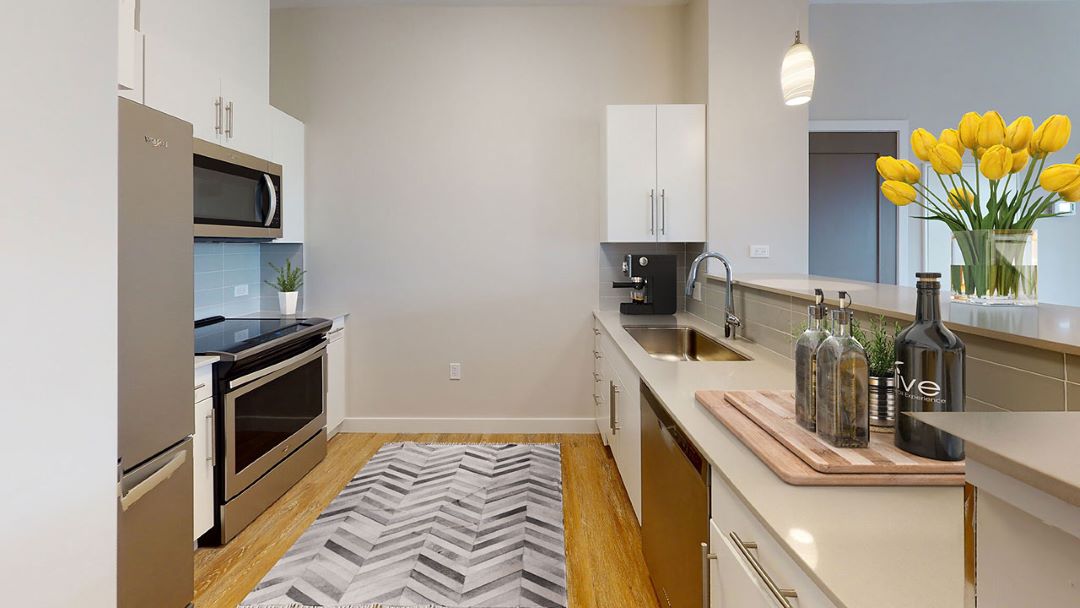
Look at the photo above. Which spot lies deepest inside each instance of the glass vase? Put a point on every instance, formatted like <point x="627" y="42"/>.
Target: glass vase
<point x="995" y="267"/>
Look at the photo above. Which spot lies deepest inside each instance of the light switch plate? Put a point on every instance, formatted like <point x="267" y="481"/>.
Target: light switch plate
<point x="455" y="371"/>
<point x="240" y="290"/>
<point x="759" y="251"/>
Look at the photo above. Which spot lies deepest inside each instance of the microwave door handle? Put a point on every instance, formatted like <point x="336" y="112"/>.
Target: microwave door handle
<point x="273" y="200"/>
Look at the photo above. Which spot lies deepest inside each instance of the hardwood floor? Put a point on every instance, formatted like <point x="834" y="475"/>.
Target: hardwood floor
<point x="605" y="566"/>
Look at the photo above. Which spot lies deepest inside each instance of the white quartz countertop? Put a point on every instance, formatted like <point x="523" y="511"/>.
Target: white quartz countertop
<point x="867" y="547"/>
<point x="1038" y="448"/>
<point x="1048" y="326"/>
<point x="202" y="360"/>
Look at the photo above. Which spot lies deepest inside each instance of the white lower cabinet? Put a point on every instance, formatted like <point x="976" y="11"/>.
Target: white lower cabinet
<point x="203" y="455"/>
<point x="337" y="385"/>
<point x="617" y="398"/>
<point x="748" y="567"/>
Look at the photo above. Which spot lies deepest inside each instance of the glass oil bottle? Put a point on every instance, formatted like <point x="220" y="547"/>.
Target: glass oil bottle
<point x="843" y="397"/>
<point x="806" y="363"/>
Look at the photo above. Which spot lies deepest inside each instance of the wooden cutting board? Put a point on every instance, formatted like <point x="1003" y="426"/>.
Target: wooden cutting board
<point x="794" y="470"/>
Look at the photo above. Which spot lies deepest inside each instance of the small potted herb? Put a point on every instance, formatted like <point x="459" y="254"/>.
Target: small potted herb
<point x="878" y="341"/>
<point x="288" y="282"/>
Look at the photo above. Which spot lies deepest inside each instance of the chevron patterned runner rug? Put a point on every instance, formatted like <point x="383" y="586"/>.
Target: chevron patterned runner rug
<point x="433" y="526"/>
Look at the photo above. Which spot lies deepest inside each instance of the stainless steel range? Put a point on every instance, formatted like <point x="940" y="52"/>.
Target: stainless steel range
<point x="269" y="408"/>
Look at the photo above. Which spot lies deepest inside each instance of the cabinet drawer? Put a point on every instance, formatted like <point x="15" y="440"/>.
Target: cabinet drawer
<point x="204" y="382"/>
<point x="733" y="583"/>
<point x="731" y="515"/>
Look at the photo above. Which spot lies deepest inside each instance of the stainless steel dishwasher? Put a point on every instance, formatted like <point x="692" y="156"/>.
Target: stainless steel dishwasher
<point x="675" y="507"/>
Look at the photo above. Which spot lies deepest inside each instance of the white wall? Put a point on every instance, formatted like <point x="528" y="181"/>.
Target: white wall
<point x="58" y="242"/>
<point x="930" y="63"/>
<point x="454" y="159"/>
<point x="757" y="146"/>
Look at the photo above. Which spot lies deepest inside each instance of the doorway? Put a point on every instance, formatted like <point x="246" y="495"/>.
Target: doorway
<point x="853" y="228"/>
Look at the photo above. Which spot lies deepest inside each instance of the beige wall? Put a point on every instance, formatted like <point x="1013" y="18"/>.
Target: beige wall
<point x="757" y="146"/>
<point x="58" y="238"/>
<point x="454" y="180"/>
<point x="695" y="59"/>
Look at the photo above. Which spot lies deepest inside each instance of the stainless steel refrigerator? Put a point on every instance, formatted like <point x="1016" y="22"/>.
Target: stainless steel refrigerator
<point x="156" y="404"/>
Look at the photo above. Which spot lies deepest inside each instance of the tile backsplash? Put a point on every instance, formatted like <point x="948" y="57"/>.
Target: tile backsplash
<point x="229" y="276"/>
<point x="611" y="258"/>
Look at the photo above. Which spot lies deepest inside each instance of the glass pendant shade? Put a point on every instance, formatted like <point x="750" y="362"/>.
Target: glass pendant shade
<point x="797" y="74"/>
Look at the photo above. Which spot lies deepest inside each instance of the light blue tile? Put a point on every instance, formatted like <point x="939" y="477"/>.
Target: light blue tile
<point x="208" y="280"/>
<point x="241" y="248"/>
<point x="207" y="263"/>
<point x="208" y="248"/>
<point x="241" y="261"/>
<point x="208" y="297"/>
<point x="241" y="306"/>
<point x="248" y="276"/>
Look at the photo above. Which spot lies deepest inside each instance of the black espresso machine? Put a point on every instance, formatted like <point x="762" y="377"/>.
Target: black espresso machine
<point x="651" y="281"/>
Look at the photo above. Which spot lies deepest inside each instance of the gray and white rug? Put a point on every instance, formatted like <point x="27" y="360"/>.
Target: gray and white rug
<point x="437" y="526"/>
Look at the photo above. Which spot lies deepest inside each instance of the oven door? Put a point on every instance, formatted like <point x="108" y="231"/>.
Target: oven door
<point x="236" y="195"/>
<point x="269" y="413"/>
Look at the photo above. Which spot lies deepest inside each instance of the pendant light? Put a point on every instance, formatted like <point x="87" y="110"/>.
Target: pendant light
<point x="797" y="73"/>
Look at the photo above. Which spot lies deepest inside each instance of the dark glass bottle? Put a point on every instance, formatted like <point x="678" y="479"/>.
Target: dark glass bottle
<point x="929" y="376"/>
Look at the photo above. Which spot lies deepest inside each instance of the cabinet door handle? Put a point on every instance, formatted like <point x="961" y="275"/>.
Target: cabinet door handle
<point x="613" y="421"/>
<point x="663" y="211"/>
<point x="652" y="211"/>
<point x="217" y="115"/>
<point x="229" y="120"/>
<point x="211" y="452"/>
<point x="705" y="557"/>
<point x="781" y="595"/>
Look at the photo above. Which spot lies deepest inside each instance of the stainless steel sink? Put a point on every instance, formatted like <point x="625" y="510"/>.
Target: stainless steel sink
<point x="681" y="343"/>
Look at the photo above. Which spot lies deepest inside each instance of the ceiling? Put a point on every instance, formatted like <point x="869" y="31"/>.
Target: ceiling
<point x="328" y="3"/>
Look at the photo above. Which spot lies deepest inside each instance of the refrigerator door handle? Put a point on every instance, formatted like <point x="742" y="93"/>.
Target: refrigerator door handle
<point x="147" y="485"/>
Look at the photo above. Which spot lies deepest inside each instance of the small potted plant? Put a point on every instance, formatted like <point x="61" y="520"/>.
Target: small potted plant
<point x="287" y="283"/>
<point x="878" y="340"/>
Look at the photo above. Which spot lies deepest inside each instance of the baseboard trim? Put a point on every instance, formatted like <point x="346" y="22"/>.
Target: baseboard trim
<point x="469" y="425"/>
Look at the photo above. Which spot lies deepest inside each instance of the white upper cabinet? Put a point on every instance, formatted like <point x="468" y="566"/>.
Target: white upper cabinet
<point x="207" y="62"/>
<point x="680" y="172"/>
<point x="655" y="174"/>
<point x="288" y="135"/>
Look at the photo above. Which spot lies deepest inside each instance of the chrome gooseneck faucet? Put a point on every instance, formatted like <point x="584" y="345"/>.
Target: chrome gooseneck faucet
<point x="731" y="321"/>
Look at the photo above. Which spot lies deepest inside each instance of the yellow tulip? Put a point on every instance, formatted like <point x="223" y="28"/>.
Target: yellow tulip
<point x="945" y="159"/>
<point x="890" y="168"/>
<point x="1018" y="133"/>
<point x="921" y="143"/>
<point x="900" y="193"/>
<point x="996" y="163"/>
<point x="1071" y="196"/>
<point x="951" y="137"/>
<point x="1053" y="134"/>
<point x="991" y="131"/>
<point x="978" y="152"/>
<point x="961" y="197"/>
<point x="911" y="172"/>
<point x="1019" y="160"/>
<point x="1059" y="178"/>
<point x="969" y="130"/>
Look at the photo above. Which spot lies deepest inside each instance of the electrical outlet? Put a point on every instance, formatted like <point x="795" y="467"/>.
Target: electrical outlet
<point x="455" y="371"/>
<point x="759" y="251"/>
<point x="698" y="289"/>
<point x="240" y="290"/>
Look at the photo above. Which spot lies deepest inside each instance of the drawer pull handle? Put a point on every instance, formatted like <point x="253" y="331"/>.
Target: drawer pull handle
<point x="200" y="386"/>
<point x="781" y="595"/>
<point x="705" y="557"/>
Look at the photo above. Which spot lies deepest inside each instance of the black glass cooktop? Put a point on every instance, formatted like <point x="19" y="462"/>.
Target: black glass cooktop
<point x="222" y="335"/>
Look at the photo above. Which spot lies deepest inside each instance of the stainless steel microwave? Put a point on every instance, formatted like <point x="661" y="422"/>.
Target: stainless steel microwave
<point x="237" y="196"/>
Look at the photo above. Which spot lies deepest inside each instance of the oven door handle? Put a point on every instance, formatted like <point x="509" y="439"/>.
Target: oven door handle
<point x="272" y="191"/>
<point x="266" y="371"/>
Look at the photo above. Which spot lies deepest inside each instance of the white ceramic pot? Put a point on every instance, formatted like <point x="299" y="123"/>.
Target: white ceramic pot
<point x="287" y="302"/>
